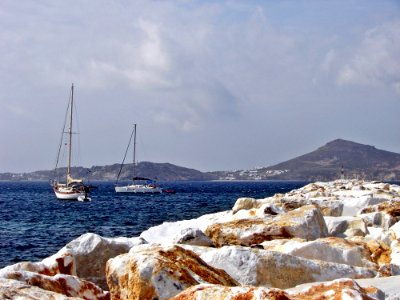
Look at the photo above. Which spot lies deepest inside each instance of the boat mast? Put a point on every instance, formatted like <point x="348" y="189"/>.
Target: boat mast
<point x="70" y="134"/>
<point x="134" y="151"/>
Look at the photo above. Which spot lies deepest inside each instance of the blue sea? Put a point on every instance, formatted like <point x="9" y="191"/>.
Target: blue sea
<point x="35" y="225"/>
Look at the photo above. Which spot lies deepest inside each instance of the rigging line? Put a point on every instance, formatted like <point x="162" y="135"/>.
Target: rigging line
<point x="126" y="152"/>
<point x="62" y="133"/>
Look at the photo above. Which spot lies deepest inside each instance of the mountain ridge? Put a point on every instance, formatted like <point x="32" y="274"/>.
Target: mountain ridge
<point x="336" y="159"/>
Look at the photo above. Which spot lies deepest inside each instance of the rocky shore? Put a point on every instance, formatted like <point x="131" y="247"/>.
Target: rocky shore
<point x="327" y="240"/>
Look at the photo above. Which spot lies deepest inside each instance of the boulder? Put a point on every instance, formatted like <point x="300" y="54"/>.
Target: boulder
<point x="392" y="208"/>
<point x="343" y="289"/>
<point x="346" y="226"/>
<point x="13" y="289"/>
<point x="378" y="219"/>
<point x="331" y="249"/>
<point x="258" y="267"/>
<point x="219" y="292"/>
<point x="67" y="285"/>
<point x="151" y="271"/>
<point x="306" y="222"/>
<point x="245" y="203"/>
<point x="168" y="231"/>
<point x="84" y="257"/>
<point x="193" y="236"/>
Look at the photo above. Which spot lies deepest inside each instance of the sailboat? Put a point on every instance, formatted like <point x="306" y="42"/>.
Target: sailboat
<point x="140" y="185"/>
<point x="72" y="189"/>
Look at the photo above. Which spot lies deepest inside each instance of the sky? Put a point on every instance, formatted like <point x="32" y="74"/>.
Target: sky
<point x="212" y="85"/>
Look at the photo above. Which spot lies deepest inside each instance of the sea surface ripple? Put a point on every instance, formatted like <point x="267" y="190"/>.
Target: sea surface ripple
<point x="35" y="225"/>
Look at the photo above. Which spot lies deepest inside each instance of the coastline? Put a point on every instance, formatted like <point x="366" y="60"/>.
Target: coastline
<point x="351" y="227"/>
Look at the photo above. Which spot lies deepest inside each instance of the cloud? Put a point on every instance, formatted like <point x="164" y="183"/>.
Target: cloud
<point x="377" y="59"/>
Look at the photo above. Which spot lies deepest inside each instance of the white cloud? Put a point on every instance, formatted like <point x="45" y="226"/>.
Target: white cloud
<point x="377" y="59"/>
<point x="328" y="61"/>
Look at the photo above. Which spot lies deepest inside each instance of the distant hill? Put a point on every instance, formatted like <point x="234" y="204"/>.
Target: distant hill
<point x="159" y="171"/>
<point x="326" y="163"/>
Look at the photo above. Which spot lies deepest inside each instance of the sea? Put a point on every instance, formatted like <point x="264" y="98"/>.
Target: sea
<point x="35" y="225"/>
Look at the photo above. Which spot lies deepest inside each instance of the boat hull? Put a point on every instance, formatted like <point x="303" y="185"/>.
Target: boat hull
<point x="69" y="194"/>
<point x="138" y="189"/>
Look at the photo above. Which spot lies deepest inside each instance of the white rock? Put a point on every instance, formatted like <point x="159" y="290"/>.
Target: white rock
<point x="167" y="231"/>
<point x="257" y="267"/>
<point x="346" y="226"/>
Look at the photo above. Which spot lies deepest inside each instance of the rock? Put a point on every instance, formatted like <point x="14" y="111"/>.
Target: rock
<point x="331" y="249"/>
<point x="388" y="285"/>
<point x="245" y="203"/>
<point x="13" y="289"/>
<point x="306" y="222"/>
<point x="149" y="272"/>
<point x="344" y="289"/>
<point x="257" y="267"/>
<point x="378" y="219"/>
<point x="193" y="236"/>
<point x="84" y="257"/>
<point x="392" y="208"/>
<point x="219" y="292"/>
<point x="346" y="226"/>
<point x="168" y="231"/>
<point x="91" y="253"/>
<point x="67" y="285"/>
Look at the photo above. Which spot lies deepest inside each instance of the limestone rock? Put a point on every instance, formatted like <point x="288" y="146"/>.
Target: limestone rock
<point x="331" y="249"/>
<point x="168" y="231"/>
<point x="305" y="222"/>
<point x="219" y="292"/>
<point x="67" y="285"/>
<point x="338" y="289"/>
<point x="13" y="289"/>
<point x="91" y="253"/>
<point x="193" y="236"/>
<point x="392" y="208"/>
<point x="346" y="226"/>
<point x="245" y="203"/>
<point x="84" y="257"/>
<point x="378" y="219"/>
<point x="344" y="289"/>
<point x="149" y="272"/>
<point x="258" y="267"/>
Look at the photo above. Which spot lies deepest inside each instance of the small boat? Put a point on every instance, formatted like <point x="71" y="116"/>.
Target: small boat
<point x="72" y="189"/>
<point x="140" y="185"/>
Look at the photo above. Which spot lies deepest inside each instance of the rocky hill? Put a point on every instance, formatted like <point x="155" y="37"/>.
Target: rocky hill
<point x="332" y="161"/>
<point x="159" y="171"/>
<point x="329" y="162"/>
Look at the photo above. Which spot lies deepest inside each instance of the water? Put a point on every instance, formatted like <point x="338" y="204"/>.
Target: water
<point x="35" y="225"/>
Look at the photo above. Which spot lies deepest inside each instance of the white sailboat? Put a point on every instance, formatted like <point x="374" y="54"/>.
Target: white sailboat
<point x="140" y="185"/>
<point x="72" y="189"/>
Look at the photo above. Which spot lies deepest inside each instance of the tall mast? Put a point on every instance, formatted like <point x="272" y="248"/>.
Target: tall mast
<point x="134" y="151"/>
<point x="70" y="134"/>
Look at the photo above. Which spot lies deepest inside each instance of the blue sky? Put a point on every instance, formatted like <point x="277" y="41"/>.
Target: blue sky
<point x="212" y="85"/>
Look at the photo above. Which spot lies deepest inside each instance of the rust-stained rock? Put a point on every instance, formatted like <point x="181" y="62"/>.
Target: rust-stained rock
<point x="84" y="257"/>
<point x="218" y="292"/>
<point x="306" y="222"/>
<point x="67" y="285"/>
<point x="13" y="289"/>
<point x="392" y="208"/>
<point x="149" y="272"/>
<point x="341" y="289"/>
<point x="335" y="290"/>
